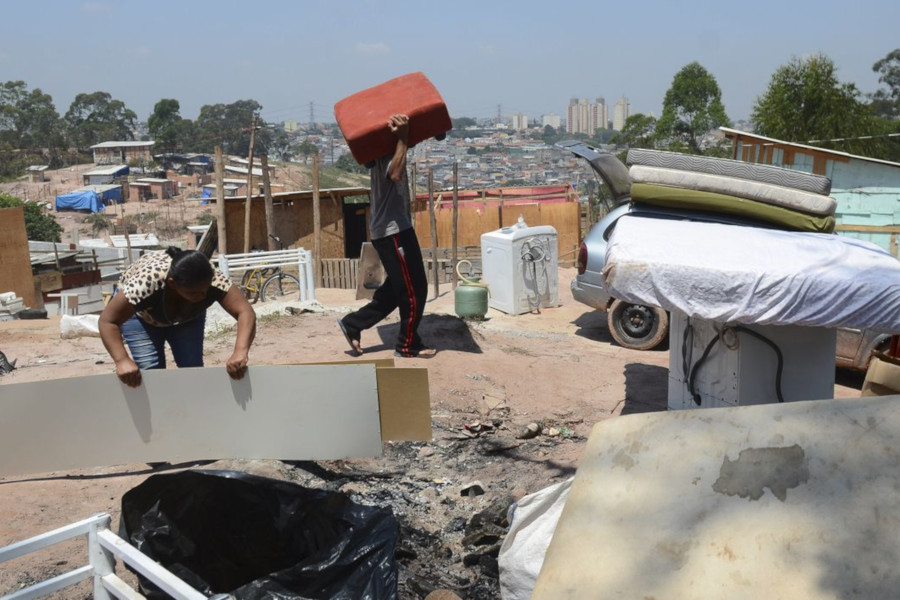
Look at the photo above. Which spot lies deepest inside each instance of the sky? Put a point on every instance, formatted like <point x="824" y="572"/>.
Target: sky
<point x="523" y="56"/>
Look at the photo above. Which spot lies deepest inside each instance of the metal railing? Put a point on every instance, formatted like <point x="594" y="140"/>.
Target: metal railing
<point x="104" y="547"/>
<point x="295" y="257"/>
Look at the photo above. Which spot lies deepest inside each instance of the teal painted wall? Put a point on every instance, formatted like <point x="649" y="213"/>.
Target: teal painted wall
<point x="867" y="193"/>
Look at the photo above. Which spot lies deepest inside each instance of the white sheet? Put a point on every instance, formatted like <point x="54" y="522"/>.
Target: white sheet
<point x="728" y="273"/>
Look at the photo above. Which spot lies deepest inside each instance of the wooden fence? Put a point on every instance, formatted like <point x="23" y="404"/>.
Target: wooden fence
<point x="342" y="273"/>
<point x="339" y="273"/>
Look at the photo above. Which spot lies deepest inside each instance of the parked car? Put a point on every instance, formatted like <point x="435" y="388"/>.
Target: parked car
<point x="643" y="327"/>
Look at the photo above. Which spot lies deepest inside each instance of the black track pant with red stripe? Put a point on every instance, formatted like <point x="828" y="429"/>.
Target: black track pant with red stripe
<point x="406" y="288"/>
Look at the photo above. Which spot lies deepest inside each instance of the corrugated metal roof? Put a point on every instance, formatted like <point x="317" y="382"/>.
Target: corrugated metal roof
<point x="128" y="144"/>
<point x="138" y="240"/>
<point x="106" y="170"/>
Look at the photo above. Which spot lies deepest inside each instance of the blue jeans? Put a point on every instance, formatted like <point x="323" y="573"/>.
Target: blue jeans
<point x="146" y="343"/>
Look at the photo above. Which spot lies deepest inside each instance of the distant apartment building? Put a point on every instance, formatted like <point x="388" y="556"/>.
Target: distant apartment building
<point x="291" y="126"/>
<point x="519" y="121"/>
<point x="621" y="113"/>
<point x="599" y="114"/>
<point x="552" y="120"/>
<point x="585" y="117"/>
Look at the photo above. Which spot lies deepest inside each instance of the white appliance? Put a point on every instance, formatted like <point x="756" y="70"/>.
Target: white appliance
<point x="520" y="266"/>
<point x="741" y="369"/>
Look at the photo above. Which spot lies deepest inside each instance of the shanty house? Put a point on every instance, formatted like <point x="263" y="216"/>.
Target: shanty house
<point x="105" y="174"/>
<point x="867" y="190"/>
<point x="118" y="153"/>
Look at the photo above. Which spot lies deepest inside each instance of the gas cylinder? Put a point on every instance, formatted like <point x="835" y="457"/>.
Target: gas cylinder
<point x="471" y="295"/>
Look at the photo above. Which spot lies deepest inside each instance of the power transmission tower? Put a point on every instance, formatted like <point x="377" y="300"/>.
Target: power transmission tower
<point x="312" y="114"/>
<point x="499" y="114"/>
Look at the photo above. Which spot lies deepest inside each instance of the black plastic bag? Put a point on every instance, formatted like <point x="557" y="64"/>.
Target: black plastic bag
<point x="256" y="538"/>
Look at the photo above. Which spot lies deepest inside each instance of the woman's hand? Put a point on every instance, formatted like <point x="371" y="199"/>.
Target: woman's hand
<point x="128" y="372"/>
<point x="236" y="365"/>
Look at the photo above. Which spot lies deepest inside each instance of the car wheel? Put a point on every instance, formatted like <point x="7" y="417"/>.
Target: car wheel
<point x="637" y="326"/>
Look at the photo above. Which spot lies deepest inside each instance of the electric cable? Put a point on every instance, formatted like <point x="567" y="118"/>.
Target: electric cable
<point x="721" y="337"/>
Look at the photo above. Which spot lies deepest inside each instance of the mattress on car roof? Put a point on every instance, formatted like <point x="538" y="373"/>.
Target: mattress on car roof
<point x="778" y="195"/>
<point x="680" y="198"/>
<point x="817" y="184"/>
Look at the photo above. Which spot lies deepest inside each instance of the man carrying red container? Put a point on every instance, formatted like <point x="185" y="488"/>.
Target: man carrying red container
<point x="393" y="237"/>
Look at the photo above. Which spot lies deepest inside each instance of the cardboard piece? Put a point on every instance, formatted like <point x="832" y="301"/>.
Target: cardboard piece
<point x="311" y="412"/>
<point x="403" y="398"/>
<point x="882" y="377"/>
<point x="794" y="500"/>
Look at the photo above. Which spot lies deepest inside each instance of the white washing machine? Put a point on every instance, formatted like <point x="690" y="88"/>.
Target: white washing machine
<point x="520" y="266"/>
<point x="741" y="367"/>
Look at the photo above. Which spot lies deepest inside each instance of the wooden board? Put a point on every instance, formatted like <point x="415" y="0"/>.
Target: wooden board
<point x="313" y="412"/>
<point x="15" y="260"/>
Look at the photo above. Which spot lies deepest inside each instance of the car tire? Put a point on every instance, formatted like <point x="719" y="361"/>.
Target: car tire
<point x="637" y="326"/>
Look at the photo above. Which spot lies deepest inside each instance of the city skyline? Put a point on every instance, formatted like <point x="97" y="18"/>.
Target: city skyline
<point x="300" y="58"/>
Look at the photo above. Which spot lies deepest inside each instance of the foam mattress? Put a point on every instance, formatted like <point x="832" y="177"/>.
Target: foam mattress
<point x="735" y="274"/>
<point x="777" y="195"/>
<point x="685" y="199"/>
<point x="817" y="184"/>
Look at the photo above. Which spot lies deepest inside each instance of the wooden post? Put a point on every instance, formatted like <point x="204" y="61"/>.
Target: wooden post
<point x="249" y="188"/>
<point x="317" y="223"/>
<point x="220" y="201"/>
<point x="455" y="218"/>
<point x="127" y="246"/>
<point x="270" y="212"/>
<point x="434" y="265"/>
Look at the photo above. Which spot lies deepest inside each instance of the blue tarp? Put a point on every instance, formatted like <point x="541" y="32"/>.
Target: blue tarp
<point x="111" y="195"/>
<point x="88" y="200"/>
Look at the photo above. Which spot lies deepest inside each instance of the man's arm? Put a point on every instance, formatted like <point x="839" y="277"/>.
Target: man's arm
<point x="399" y="125"/>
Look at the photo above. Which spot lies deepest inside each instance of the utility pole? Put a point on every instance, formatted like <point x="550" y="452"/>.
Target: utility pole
<point x="220" y="200"/>
<point x="270" y="211"/>
<point x="455" y="220"/>
<point x="317" y="223"/>
<point x="434" y="238"/>
<point x="253" y="128"/>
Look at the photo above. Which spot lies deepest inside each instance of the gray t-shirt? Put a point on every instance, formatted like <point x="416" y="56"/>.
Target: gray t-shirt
<point x="389" y="207"/>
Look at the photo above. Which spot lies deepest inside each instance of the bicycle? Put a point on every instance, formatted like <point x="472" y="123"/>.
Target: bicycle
<point x="263" y="283"/>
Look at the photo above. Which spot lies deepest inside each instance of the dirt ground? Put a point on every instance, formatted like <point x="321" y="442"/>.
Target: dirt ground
<point x="558" y="368"/>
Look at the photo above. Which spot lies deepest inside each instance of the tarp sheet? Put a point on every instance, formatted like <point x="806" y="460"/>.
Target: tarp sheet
<point x="88" y="200"/>
<point x="734" y="274"/>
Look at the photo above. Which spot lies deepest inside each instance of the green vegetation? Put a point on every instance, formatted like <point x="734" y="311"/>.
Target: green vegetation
<point x="692" y="108"/>
<point x="39" y="225"/>
<point x="806" y="103"/>
<point x="98" y="221"/>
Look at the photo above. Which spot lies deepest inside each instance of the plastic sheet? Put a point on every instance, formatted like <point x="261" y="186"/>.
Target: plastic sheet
<point x="733" y="274"/>
<point x="255" y="538"/>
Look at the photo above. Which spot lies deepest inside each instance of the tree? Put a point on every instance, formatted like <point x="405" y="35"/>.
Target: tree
<point x="228" y="125"/>
<point x="692" y="108"/>
<point x="97" y="117"/>
<point x="346" y="162"/>
<point x="164" y="124"/>
<point x="307" y="149"/>
<point x="40" y="226"/>
<point x="28" y="120"/>
<point x="806" y="103"/>
<point x="639" y="132"/>
<point x="886" y="102"/>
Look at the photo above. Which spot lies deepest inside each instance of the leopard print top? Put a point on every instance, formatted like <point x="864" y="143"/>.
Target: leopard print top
<point x="143" y="285"/>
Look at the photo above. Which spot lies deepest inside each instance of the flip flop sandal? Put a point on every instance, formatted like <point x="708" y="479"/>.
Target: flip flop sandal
<point x="354" y="344"/>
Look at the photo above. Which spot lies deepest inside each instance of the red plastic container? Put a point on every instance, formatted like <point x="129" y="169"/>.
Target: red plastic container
<point x="363" y="117"/>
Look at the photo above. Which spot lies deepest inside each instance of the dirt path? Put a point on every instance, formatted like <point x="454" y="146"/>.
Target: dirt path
<point x="559" y="368"/>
